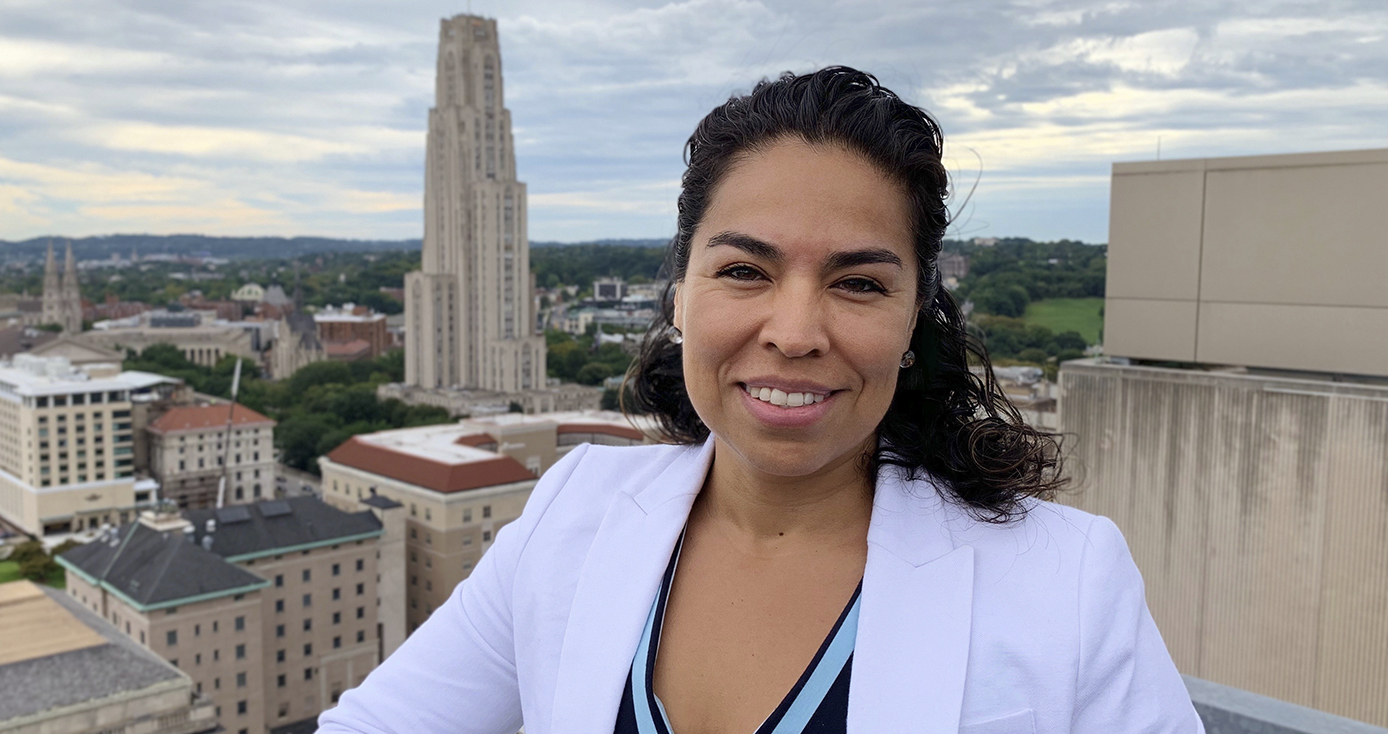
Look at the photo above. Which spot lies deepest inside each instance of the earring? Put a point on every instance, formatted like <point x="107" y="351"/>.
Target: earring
<point x="908" y="359"/>
<point x="674" y="335"/>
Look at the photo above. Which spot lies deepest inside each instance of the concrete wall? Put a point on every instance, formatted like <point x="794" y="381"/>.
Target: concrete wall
<point x="1269" y="261"/>
<point x="1257" y="510"/>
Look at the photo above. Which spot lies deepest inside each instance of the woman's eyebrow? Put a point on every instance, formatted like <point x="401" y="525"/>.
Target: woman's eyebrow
<point x="748" y="244"/>
<point x="836" y="261"/>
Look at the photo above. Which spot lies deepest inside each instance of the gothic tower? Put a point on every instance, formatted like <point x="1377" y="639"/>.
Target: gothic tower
<point x="62" y="301"/>
<point x="469" y="309"/>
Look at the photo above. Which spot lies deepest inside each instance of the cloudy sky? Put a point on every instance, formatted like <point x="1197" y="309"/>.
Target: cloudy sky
<point x="259" y="117"/>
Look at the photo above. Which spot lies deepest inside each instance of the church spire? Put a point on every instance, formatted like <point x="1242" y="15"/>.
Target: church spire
<point x="52" y="290"/>
<point x="71" y="295"/>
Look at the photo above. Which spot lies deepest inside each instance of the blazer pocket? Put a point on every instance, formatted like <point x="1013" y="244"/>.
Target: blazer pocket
<point x="1016" y="723"/>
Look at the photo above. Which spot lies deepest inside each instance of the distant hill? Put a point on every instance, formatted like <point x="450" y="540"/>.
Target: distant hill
<point x="102" y="247"/>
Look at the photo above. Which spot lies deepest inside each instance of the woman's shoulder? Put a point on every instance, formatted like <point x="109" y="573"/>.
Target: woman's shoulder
<point x="586" y="479"/>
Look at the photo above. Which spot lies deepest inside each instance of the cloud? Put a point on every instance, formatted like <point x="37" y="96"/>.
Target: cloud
<point x="249" y="116"/>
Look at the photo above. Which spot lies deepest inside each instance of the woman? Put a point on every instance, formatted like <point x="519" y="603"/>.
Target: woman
<point x="847" y="531"/>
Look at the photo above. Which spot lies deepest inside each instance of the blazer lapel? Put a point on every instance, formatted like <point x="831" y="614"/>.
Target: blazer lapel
<point x="912" y="646"/>
<point x="619" y="580"/>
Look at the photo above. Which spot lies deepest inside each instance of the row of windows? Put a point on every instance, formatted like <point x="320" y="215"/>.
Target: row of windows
<point x="308" y="575"/>
<point x="308" y="598"/>
<point x="308" y="621"/>
<point x="171" y="637"/>
<point x="95" y="398"/>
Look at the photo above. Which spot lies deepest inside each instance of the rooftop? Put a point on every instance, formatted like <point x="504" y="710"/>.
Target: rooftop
<point x="27" y="375"/>
<point x="69" y="655"/>
<point x="152" y="569"/>
<point x="431" y="457"/>
<point x="199" y="417"/>
<point x="274" y="526"/>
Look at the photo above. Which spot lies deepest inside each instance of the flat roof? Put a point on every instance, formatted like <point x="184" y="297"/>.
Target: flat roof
<point x="25" y="383"/>
<point x="431" y="457"/>
<point x="35" y="626"/>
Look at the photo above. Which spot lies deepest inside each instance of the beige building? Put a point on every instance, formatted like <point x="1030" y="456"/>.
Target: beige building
<point x="270" y="607"/>
<point x="63" y="669"/>
<point x="203" y="344"/>
<point x="1240" y="436"/>
<point x="459" y="484"/>
<point x="469" y="316"/>
<point x="188" y="450"/>
<point x="296" y="345"/>
<point x="67" y="444"/>
<point x="1269" y="261"/>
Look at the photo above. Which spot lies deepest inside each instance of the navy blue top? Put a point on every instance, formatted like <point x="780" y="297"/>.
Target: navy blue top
<point x="817" y="703"/>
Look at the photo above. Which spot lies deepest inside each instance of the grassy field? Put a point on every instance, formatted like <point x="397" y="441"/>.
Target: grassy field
<point x="1068" y="314"/>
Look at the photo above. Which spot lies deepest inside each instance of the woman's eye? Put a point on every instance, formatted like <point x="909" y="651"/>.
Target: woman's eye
<point x="861" y="285"/>
<point x="739" y="272"/>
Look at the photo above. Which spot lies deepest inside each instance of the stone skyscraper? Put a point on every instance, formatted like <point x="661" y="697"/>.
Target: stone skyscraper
<point x="62" y="300"/>
<point x="469" y="310"/>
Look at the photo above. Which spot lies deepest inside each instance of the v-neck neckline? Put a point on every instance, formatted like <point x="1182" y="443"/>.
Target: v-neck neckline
<point x="771" y="724"/>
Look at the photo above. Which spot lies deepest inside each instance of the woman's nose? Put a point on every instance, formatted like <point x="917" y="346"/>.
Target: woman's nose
<point x="796" y="324"/>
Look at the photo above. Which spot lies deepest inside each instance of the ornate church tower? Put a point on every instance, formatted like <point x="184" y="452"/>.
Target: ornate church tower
<point x="469" y="310"/>
<point x="62" y="301"/>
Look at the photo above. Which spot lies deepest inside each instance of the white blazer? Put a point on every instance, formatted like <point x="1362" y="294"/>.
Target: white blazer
<point x="1039" y="626"/>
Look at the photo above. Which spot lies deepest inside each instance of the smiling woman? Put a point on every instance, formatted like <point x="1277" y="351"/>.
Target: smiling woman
<point x="847" y="531"/>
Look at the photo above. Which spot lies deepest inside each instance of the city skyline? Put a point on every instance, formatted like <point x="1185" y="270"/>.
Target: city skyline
<point x="258" y="119"/>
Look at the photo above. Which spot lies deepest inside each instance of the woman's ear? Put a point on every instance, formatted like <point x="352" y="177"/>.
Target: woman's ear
<point x="678" y="317"/>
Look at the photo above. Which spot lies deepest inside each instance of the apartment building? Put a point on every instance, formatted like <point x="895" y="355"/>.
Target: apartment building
<point x="68" y="443"/>
<point x="270" y="607"/>
<point x="457" y="485"/>
<point x="188" y="452"/>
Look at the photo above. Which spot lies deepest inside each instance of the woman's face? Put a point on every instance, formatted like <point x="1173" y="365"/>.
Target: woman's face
<point x="798" y="302"/>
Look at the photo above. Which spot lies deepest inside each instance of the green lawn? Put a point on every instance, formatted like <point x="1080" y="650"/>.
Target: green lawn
<point x="1068" y="314"/>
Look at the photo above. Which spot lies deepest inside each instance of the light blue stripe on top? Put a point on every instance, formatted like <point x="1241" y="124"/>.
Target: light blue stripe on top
<point x="822" y="679"/>
<point x="640" y="703"/>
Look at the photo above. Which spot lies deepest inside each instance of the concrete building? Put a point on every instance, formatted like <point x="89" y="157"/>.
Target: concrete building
<point x="187" y="451"/>
<point x="460" y="483"/>
<point x="67" y="444"/>
<point x="464" y="402"/>
<point x="1238" y="433"/>
<point x="468" y="311"/>
<point x="63" y="669"/>
<point x="1221" y="260"/>
<point x="609" y="289"/>
<point x="201" y="343"/>
<point x="270" y="607"/>
<point x="296" y="345"/>
<point x="62" y="299"/>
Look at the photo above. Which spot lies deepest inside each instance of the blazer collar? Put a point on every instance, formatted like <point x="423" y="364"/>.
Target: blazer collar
<point x="914" y="621"/>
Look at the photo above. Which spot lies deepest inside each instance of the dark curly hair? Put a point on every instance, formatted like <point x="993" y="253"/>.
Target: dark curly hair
<point x="944" y="419"/>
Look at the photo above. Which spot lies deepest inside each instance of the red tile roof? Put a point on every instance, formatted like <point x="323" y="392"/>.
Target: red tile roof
<point x="201" y="417"/>
<point x="429" y="473"/>
<point x="607" y="429"/>
<point x="476" y="439"/>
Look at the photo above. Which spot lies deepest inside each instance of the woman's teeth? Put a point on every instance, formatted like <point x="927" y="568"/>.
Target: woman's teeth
<point x="783" y="399"/>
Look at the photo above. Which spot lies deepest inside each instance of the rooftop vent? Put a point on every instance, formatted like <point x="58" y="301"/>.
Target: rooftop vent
<point x="275" y="508"/>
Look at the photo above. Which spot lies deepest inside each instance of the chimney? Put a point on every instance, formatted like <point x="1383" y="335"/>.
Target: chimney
<point x="211" y="526"/>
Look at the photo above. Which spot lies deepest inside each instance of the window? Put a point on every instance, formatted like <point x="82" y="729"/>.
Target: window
<point x="308" y="673"/>
<point x="414" y="533"/>
<point x="174" y="662"/>
<point x="214" y="625"/>
<point x="413" y="557"/>
<point x="197" y="630"/>
<point x="428" y="585"/>
<point x="240" y="623"/>
<point x="361" y="564"/>
<point x="337" y="569"/>
<point x="171" y="638"/>
<point x="279" y="630"/>
<point x="279" y="656"/>
<point x="361" y="612"/>
<point x="337" y="642"/>
<point x="216" y="655"/>
<point x="280" y="682"/>
<point x="284" y="710"/>
<point x="414" y="581"/>
<point x="337" y="594"/>
<point x="241" y="652"/>
<point x="308" y="600"/>
<point x="337" y="617"/>
<point x="486" y="511"/>
<point x="279" y="579"/>
<point x="240" y="680"/>
<point x="361" y="635"/>
<point x="279" y="605"/>
<point x="306" y="574"/>
<point x="361" y="589"/>
<point x="308" y="649"/>
<point x="467" y="515"/>
<point x="308" y="624"/>
<point x="413" y="513"/>
<point x="486" y="536"/>
<point x="240" y="707"/>
<point x="197" y="659"/>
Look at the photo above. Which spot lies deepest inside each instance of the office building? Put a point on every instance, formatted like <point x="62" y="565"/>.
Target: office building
<point x="68" y="443"/>
<point x="457" y="485"/>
